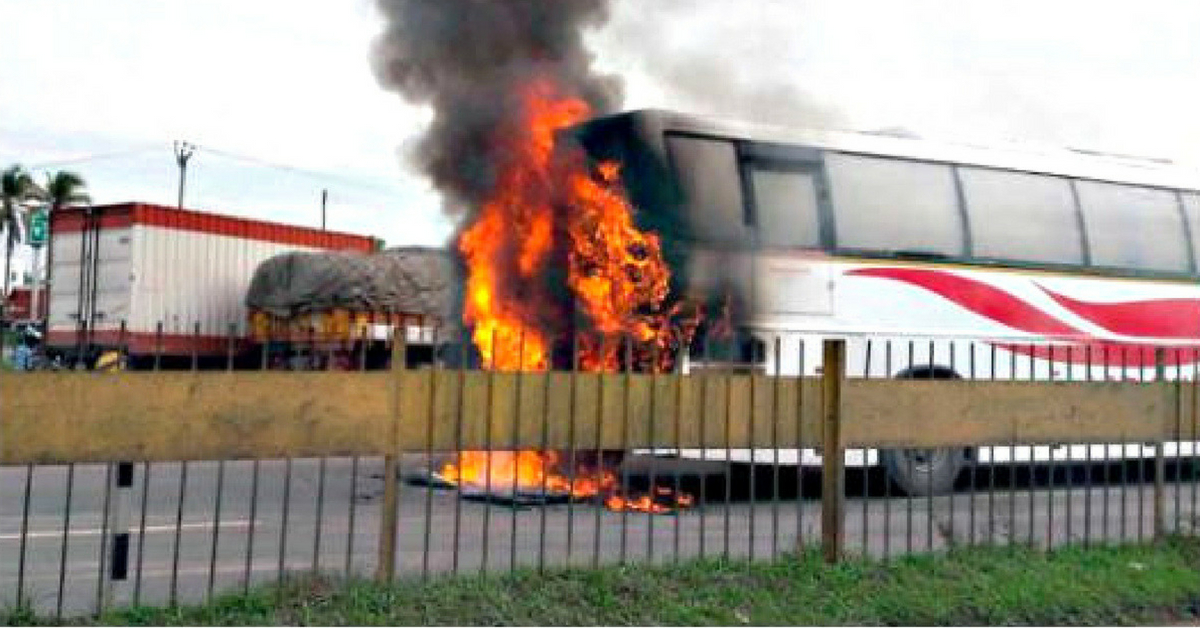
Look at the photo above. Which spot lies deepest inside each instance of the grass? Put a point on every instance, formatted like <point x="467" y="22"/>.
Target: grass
<point x="1112" y="585"/>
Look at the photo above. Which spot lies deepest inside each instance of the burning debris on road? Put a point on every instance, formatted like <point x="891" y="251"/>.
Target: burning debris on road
<point x="547" y="240"/>
<point x="525" y="478"/>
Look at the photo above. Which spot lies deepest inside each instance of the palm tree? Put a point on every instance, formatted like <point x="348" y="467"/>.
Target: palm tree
<point x="63" y="189"/>
<point x="16" y="187"/>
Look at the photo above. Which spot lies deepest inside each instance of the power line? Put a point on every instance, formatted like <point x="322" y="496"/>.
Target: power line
<point x="318" y="174"/>
<point x="94" y="157"/>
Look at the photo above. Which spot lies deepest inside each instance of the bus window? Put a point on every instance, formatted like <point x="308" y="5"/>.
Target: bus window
<point x="1191" y="209"/>
<point x="785" y="207"/>
<point x="708" y="173"/>
<point x="1021" y="217"/>
<point x="1134" y="228"/>
<point x="894" y="205"/>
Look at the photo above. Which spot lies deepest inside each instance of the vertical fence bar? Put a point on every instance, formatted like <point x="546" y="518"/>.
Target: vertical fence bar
<point x="627" y="343"/>
<point x="753" y="479"/>
<point x="430" y="413"/>
<point x="572" y="450"/>
<point x="908" y="461"/>
<point x="460" y="409"/>
<point x="950" y="541"/>
<point x="512" y="444"/>
<point x="1031" y="465"/>
<point x="351" y="516"/>
<point x="1012" y="488"/>
<point x="216" y="524"/>
<point x="887" y="480"/>
<point x="1192" y="466"/>
<point x="102" y="577"/>
<point x="728" y="440"/>
<point x="545" y="444"/>
<point x="1124" y="450"/>
<point x="1160" y="465"/>
<point x="389" y="515"/>
<point x="865" y="470"/>
<point x="254" y="473"/>
<point x="800" y="446"/>
<point x="650" y="429"/>
<point x="706" y="354"/>
<point x="833" y="493"/>
<point x="1087" y="462"/>
<point x="283" y="525"/>
<point x="974" y="459"/>
<point x="1178" y="410"/>
<point x="1052" y="468"/>
<point x="598" y="472"/>
<point x="320" y="515"/>
<point x="776" y="354"/>
<point x="174" y="593"/>
<point x="991" y="498"/>
<point x="141" y="548"/>
<point x="929" y="496"/>
<point x="1070" y="479"/>
<point x="66" y="539"/>
<point x="20" y="602"/>
<point x="1050" y="500"/>
<point x="489" y="415"/>
<point x="681" y="352"/>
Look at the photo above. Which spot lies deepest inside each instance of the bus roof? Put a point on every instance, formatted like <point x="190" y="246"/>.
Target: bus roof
<point x="1055" y="161"/>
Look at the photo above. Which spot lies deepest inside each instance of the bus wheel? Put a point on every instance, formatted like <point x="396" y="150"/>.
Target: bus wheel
<point x="924" y="472"/>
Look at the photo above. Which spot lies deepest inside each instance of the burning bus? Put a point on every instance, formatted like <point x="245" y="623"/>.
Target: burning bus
<point x="1061" y="264"/>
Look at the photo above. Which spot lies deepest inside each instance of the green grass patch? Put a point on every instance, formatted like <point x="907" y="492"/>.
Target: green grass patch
<point x="1111" y="585"/>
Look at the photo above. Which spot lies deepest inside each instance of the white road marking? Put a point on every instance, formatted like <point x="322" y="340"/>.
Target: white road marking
<point x="200" y="525"/>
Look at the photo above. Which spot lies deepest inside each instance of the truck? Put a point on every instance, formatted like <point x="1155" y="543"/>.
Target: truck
<point x="163" y="286"/>
<point x="338" y="310"/>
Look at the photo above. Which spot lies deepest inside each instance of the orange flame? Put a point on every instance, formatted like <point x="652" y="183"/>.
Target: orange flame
<point x="546" y="199"/>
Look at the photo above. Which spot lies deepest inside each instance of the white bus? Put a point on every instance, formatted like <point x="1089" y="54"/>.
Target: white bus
<point x="1061" y="264"/>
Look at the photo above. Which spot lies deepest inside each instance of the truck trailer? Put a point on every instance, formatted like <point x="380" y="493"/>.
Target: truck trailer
<point x="163" y="286"/>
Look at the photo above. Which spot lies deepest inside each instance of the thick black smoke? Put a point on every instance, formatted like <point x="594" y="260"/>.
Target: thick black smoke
<point x="468" y="60"/>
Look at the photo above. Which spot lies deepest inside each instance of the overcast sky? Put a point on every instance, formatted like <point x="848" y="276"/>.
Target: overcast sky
<point x="282" y="96"/>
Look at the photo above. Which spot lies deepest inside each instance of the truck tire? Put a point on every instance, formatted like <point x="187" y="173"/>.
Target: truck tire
<point x="924" y="472"/>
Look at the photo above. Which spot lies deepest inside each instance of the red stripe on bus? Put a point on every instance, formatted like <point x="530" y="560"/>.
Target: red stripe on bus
<point x="1157" y="318"/>
<point x="978" y="297"/>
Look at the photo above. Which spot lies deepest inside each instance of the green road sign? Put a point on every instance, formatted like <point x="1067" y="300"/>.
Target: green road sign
<point x="37" y="228"/>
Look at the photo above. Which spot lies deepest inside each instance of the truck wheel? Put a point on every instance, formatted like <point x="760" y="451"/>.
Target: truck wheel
<point x="924" y="472"/>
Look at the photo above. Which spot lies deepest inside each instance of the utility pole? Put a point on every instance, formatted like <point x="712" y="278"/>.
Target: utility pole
<point x="183" y="152"/>
<point x="324" y="199"/>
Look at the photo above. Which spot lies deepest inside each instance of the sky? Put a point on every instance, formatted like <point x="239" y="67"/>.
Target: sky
<point x="280" y="98"/>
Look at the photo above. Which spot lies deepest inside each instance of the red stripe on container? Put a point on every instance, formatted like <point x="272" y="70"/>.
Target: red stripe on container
<point x="127" y="214"/>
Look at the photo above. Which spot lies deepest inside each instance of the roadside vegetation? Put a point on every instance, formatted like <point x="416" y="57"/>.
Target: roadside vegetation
<point x="1112" y="585"/>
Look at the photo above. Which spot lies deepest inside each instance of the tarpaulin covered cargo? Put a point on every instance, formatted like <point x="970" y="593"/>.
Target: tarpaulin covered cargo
<point x="334" y="293"/>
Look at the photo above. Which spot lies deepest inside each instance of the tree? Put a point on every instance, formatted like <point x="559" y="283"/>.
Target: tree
<point x="63" y="189"/>
<point x="16" y="187"/>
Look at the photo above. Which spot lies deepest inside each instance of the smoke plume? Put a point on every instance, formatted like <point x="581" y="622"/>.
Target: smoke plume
<point x="467" y="60"/>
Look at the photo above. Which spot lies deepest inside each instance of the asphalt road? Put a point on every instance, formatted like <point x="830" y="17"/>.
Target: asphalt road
<point x="1001" y="507"/>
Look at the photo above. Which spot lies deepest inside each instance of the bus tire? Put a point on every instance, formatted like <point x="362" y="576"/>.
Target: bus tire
<point x="924" y="472"/>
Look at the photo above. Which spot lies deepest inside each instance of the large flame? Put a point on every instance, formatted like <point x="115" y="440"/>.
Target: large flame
<point x="548" y="207"/>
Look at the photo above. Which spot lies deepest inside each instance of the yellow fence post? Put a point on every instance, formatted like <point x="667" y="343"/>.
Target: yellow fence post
<point x="833" y="487"/>
<point x="388" y="516"/>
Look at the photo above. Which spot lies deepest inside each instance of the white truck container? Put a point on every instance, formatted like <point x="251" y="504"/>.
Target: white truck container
<point x="158" y="281"/>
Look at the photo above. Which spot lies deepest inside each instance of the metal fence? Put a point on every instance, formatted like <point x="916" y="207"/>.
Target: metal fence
<point x="171" y="486"/>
